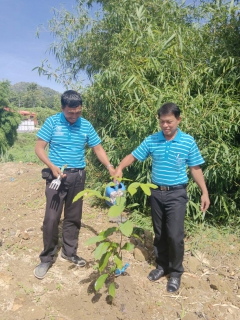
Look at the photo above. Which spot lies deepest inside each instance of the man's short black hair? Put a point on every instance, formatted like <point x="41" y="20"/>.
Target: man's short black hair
<point x="168" y="108"/>
<point x="71" y="98"/>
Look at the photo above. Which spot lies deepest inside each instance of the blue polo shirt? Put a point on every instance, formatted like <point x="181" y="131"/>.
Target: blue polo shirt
<point x="67" y="141"/>
<point x="169" y="158"/>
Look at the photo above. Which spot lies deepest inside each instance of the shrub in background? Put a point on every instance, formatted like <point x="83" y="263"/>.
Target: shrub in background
<point x="141" y="54"/>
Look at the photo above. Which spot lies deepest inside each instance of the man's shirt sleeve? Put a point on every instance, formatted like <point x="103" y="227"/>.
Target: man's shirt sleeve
<point x="141" y="153"/>
<point x="93" y="138"/>
<point x="194" y="157"/>
<point x="45" y="133"/>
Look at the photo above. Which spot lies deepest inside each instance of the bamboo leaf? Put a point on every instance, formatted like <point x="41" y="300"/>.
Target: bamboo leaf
<point x="180" y="42"/>
<point x="169" y="40"/>
<point x="137" y="236"/>
<point x="129" y="82"/>
<point x="133" y="205"/>
<point x="225" y="205"/>
<point x="225" y="148"/>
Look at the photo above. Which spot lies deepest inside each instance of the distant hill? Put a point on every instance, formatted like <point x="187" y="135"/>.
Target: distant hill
<point x="31" y="95"/>
<point x="21" y="87"/>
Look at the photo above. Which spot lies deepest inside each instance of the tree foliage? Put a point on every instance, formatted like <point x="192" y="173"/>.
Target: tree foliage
<point x="141" y="54"/>
<point x="9" y="120"/>
<point x="34" y="98"/>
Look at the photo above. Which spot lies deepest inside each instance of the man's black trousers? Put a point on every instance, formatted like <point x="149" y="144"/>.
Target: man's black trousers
<point x="168" y="211"/>
<point x="55" y="200"/>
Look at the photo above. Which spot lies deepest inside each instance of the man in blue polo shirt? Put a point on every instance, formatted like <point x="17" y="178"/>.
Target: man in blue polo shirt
<point x="66" y="133"/>
<point x="171" y="150"/>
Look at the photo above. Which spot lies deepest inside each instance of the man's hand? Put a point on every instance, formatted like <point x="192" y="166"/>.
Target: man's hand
<point x="111" y="171"/>
<point x="198" y="177"/>
<point x="57" y="171"/>
<point x="205" y="202"/>
<point x="103" y="158"/>
<point x="118" y="173"/>
<point x="41" y="153"/>
<point x="127" y="161"/>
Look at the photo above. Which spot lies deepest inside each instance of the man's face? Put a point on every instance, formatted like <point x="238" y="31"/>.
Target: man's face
<point x="72" y="114"/>
<point x="169" y="124"/>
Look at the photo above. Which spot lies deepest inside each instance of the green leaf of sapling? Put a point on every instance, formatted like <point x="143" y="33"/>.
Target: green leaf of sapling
<point x="111" y="290"/>
<point x="126" y="228"/>
<point x="128" y="246"/>
<point x="100" y="281"/>
<point x="100" y="250"/>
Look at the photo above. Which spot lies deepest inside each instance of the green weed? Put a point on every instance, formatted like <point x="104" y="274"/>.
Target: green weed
<point x="26" y="290"/>
<point x="59" y="286"/>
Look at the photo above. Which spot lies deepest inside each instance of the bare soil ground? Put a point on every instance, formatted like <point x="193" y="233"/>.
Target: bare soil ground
<point x="210" y="286"/>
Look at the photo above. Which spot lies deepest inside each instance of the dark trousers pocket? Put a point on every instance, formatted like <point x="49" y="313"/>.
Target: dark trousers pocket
<point x="47" y="174"/>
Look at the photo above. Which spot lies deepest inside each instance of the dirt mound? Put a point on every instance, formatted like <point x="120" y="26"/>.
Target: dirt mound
<point x="210" y="286"/>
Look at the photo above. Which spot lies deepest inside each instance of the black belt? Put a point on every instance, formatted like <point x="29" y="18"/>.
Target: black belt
<point x="177" y="186"/>
<point x="72" y="170"/>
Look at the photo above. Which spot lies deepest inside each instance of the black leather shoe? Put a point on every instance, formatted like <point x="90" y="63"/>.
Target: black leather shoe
<point x="156" y="274"/>
<point x="173" y="284"/>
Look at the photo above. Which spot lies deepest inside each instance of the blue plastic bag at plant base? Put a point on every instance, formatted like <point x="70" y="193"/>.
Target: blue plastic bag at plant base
<point x="113" y="192"/>
<point x="118" y="272"/>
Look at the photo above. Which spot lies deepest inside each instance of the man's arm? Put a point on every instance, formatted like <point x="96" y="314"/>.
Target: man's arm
<point x="127" y="161"/>
<point x="103" y="158"/>
<point x="42" y="155"/>
<point x="198" y="177"/>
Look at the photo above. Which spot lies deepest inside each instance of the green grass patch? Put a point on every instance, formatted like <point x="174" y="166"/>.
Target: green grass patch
<point x="22" y="150"/>
<point x="213" y="240"/>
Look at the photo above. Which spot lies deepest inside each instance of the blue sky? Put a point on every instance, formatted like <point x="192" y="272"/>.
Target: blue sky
<point x="21" y="50"/>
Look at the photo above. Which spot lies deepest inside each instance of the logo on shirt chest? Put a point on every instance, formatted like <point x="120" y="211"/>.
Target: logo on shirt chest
<point x="58" y="131"/>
